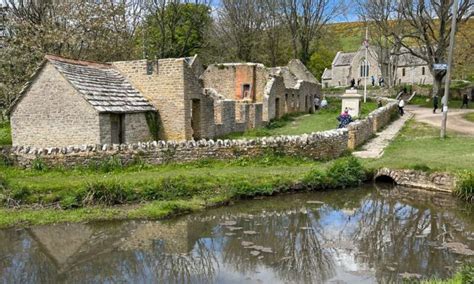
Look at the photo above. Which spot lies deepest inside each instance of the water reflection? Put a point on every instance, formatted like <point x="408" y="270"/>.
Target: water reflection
<point x="362" y="235"/>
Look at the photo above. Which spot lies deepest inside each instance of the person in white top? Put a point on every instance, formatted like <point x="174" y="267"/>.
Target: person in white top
<point x="324" y="103"/>
<point x="401" y="104"/>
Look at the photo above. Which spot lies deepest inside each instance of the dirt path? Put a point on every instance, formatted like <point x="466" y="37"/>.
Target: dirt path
<point x="455" y="121"/>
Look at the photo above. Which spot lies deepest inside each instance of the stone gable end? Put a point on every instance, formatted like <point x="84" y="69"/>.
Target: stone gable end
<point x="52" y="112"/>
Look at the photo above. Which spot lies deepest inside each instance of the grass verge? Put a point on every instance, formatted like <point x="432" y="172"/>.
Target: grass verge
<point x="465" y="275"/>
<point x="469" y="116"/>
<point x="5" y="134"/>
<point x="41" y="197"/>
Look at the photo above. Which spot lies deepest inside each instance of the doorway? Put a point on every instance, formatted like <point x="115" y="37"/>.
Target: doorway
<point x="196" y="119"/>
<point x="277" y="108"/>
<point x="117" y="129"/>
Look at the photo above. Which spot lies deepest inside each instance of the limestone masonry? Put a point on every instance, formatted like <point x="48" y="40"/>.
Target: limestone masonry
<point x="70" y="102"/>
<point x="318" y="146"/>
<point x="354" y="65"/>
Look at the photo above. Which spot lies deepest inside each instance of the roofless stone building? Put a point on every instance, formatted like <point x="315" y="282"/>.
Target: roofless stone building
<point x="70" y="102"/>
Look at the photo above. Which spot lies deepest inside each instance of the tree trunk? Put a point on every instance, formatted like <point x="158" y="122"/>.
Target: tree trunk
<point x="437" y="83"/>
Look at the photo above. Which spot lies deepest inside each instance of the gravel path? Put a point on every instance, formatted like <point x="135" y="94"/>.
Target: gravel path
<point x="455" y="122"/>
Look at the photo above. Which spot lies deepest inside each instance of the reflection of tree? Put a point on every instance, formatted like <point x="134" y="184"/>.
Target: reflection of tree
<point x="400" y="235"/>
<point x="297" y="253"/>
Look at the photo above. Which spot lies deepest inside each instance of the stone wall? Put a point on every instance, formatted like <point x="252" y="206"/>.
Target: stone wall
<point x="52" y="112"/>
<point x="437" y="181"/>
<point x="413" y="75"/>
<point x="362" y="130"/>
<point x="318" y="146"/>
<point x="164" y="87"/>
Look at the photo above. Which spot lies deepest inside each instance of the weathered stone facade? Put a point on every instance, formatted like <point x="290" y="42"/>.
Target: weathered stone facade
<point x="71" y="102"/>
<point x="348" y="65"/>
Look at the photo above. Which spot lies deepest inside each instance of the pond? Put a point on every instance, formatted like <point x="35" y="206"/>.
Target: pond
<point x="364" y="235"/>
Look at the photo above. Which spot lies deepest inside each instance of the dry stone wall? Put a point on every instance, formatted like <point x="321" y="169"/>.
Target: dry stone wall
<point x="318" y="146"/>
<point x="362" y="130"/>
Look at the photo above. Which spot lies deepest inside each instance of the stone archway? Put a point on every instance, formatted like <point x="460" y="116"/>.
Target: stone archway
<point x="387" y="175"/>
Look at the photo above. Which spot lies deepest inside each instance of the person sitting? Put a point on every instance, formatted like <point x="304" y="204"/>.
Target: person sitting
<point x="324" y="103"/>
<point x="344" y="119"/>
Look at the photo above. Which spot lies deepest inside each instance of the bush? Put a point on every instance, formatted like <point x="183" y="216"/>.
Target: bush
<point x="107" y="193"/>
<point x="346" y="172"/>
<point x="465" y="186"/>
<point x="38" y="164"/>
<point x="316" y="179"/>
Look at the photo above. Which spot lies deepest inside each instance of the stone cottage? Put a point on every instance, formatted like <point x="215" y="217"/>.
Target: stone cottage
<point x="70" y="102"/>
<point x="349" y="65"/>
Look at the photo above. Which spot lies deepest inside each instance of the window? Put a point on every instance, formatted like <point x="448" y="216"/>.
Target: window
<point x="403" y="72"/>
<point x="149" y="67"/>
<point x="422" y="70"/>
<point x="364" y="68"/>
<point x="245" y="91"/>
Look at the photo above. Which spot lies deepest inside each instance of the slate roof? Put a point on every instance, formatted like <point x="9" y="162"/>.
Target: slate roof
<point x="407" y="59"/>
<point x="344" y="58"/>
<point x="289" y="78"/>
<point x="327" y="74"/>
<point x="102" y="86"/>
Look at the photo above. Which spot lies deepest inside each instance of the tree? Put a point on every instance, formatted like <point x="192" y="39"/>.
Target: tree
<point x="77" y="29"/>
<point x="176" y="28"/>
<point x="428" y="29"/>
<point x="241" y="23"/>
<point x="384" y="20"/>
<point x="305" y="20"/>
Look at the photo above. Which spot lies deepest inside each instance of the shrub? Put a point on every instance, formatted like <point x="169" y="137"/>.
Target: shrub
<point x="107" y="193"/>
<point x="346" y="172"/>
<point x="38" y="164"/>
<point x="111" y="164"/>
<point x="465" y="186"/>
<point x="316" y="179"/>
<point x="70" y="201"/>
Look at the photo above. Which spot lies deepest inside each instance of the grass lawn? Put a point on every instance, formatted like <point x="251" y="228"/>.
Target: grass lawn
<point x="5" y="134"/>
<point x="303" y="123"/>
<point x="419" y="145"/>
<point x="469" y="117"/>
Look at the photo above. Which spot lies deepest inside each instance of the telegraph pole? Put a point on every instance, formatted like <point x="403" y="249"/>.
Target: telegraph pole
<point x="366" y="66"/>
<point x="448" y="74"/>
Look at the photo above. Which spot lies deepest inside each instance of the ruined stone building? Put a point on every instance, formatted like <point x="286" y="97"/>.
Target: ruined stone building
<point x="70" y="102"/>
<point x="349" y="65"/>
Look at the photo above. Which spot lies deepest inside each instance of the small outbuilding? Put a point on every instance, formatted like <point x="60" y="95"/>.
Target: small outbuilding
<point x="69" y="102"/>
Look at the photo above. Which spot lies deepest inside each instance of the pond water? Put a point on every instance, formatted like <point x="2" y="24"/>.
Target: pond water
<point x="364" y="235"/>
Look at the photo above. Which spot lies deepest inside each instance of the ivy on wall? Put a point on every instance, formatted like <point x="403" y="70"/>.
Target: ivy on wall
<point x="153" y="121"/>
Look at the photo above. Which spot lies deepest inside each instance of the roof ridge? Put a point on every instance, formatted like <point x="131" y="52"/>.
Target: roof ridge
<point x="51" y="57"/>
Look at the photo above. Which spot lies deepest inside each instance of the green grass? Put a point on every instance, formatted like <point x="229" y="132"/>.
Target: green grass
<point x="469" y="116"/>
<point x="428" y="102"/>
<point x="465" y="275"/>
<point x="158" y="191"/>
<point x="419" y="145"/>
<point x="304" y="123"/>
<point x="5" y="134"/>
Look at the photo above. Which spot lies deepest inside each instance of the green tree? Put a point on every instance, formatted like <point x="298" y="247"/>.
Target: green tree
<point x="321" y="59"/>
<point x="176" y="29"/>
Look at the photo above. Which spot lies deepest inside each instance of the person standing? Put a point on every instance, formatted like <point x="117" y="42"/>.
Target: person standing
<point x="401" y="105"/>
<point x="324" y="103"/>
<point x="316" y="103"/>
<point x="465" y="100"/>
<point x="373" y="81"/>
<point x="353" y="82"/>
<point x="435" y="103"/>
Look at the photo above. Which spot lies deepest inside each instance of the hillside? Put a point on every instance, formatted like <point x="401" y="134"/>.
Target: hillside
<point x="348" y="36"/>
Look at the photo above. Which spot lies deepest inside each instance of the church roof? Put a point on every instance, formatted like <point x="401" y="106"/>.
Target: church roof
<point x="101" y="85"/>
<point x="344" y="58"/>
<point x="407" y="59"/>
